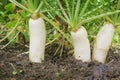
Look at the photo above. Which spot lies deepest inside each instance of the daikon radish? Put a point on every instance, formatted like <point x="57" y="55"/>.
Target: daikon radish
<point x="36" y="29"/>
<point x="37" y="40"/>
<point x="81" y="45"/>
<point x="103" y="42"/>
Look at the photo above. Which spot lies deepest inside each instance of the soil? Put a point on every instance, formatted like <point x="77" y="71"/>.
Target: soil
<point x="16" y="66"/>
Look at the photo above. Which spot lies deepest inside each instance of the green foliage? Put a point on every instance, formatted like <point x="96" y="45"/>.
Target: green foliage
<point x="75" y="13"/>
<point x="60" y="14"/>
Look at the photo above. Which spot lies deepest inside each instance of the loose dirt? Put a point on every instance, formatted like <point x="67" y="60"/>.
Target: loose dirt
<point x="16" y="66"/>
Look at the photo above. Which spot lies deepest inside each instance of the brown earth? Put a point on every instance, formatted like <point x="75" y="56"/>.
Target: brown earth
<point x="14" y="66"/>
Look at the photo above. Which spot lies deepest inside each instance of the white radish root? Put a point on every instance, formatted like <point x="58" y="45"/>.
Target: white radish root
<point x="37" y="40"/>
<point x="103" y="42"/>
<point x="81" y="45"/>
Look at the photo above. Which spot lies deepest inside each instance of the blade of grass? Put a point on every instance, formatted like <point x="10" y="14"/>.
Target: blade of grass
<point x="30" y="4"/>
<point x="118" y="7"/>
<point x="77" y="8"/>
<point x="73" y="8"/>
<point x="62" y="9"/>
<point x="36" y="3"/>
<point x="62" y="45"/>
<point x="76" y="19"/>
<point x="84" y="8"/>
<point x="93" y="10"/>
<point x="51" y="16"/>
<point x="97" y="17"/>
<point x="38" y="9"/>
<point x="68" y="8"/>
<point x="57" y="50"/>
<point x="21" y="6"/>
<point x="109" y="19"/>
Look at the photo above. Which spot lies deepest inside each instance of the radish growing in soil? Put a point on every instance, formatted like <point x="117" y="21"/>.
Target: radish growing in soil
<point x="75" y="17"/>
<point x="82" y="51"/>
<point x="36" y="30"/>
<point x="37" y="40"/>
<point x="105" y="36"/>
<point x="103" y="42"/>
<point x="81" y="44"/>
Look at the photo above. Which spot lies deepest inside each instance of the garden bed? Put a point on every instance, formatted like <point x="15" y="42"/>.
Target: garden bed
<point x="56" y="67"/>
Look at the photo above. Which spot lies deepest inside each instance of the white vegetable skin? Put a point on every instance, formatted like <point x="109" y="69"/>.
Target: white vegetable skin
<point x="81" y="45"/>
<point x="103" y="42"/>
<point x="37" y="40"/>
